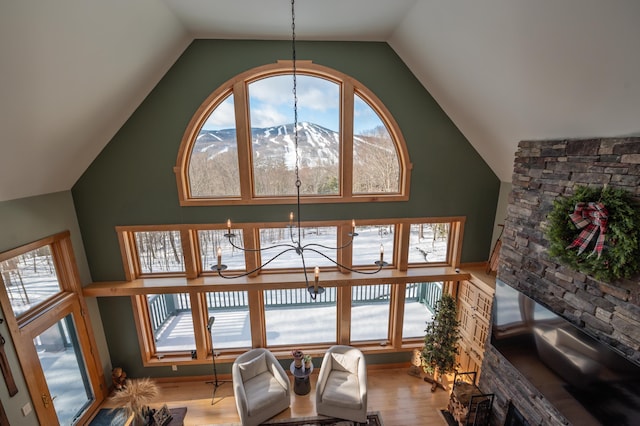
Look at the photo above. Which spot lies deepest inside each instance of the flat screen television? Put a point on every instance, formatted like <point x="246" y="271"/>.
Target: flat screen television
<point x="586" y="380"/>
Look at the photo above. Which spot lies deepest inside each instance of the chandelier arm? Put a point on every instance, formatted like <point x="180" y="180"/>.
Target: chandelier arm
<point x="290" y="246"/>
<point x="244" y="274"/>
<point x="304" y="269"/>
<point x="366" y="272"/>
<point x="262" y="248"/>
<point x="230" y="237"/>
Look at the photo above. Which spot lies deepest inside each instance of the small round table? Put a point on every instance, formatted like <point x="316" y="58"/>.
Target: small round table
<point x="301" y="383"/>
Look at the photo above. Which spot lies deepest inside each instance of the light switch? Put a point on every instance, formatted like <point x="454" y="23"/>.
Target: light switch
<point x="26" y="409"/>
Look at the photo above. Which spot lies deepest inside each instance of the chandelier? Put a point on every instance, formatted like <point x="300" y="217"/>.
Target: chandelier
<point x="295" y="230"/>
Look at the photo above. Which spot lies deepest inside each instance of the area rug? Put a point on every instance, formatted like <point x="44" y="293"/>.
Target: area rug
<point x="109" y="417"/>
<point x="118" y="417"/>
<point x="373" y="419"/>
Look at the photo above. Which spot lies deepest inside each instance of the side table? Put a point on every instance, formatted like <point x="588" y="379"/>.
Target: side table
<point x="301" y="383"/>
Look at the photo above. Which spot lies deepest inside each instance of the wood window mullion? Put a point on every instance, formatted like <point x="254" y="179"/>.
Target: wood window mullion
<point x="200" y="317"/>
<point x="343" y="308"/>
<point x="257" y="319"/>
<point x="243" y="139"/>
<point x="251" y="242"/>
<point x="345" y="256"/>
<point x="403" y="234"/>
<point x="190" y="251"/>
<point x="146" y="339"/>
<point x="346" y="137"/>
<point x="396" y="314"/>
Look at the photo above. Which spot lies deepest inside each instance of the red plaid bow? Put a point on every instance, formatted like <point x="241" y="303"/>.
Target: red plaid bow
<point x="593" y="218"/>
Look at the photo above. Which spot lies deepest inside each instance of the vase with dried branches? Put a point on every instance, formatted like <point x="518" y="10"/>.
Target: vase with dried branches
<point x="134" y="396"/>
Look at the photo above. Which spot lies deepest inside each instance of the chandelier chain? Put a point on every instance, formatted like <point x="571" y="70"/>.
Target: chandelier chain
<point x="295" y="92"/>
<point x="295" y="129"/>
<point x="296" y="245"/>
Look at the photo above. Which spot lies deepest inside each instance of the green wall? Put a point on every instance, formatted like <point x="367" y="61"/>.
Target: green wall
<point x="23" y="221"/>
<point x="132" y="181"/>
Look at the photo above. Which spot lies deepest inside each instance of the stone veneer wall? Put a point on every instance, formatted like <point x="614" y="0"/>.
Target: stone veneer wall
<point x="543" y="171"/>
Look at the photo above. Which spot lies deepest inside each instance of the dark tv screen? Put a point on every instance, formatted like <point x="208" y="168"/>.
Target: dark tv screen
<point x="586" y="380"/>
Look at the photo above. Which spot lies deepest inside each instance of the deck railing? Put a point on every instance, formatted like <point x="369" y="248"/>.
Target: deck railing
<point x="164" y="306"/>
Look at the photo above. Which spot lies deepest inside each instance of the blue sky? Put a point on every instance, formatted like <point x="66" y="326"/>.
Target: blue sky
<point x="271" y="101"/>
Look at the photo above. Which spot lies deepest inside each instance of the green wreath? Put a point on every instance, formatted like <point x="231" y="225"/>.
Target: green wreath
<point x="621" y="253"/>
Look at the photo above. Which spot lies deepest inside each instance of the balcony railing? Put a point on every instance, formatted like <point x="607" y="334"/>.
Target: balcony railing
<point x="165" y="306"/>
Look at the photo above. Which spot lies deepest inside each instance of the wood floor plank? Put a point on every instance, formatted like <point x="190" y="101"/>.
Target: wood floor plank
<point x="401" y="399"/>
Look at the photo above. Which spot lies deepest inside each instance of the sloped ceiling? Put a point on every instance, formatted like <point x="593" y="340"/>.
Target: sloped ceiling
<point x="71" y="72"/>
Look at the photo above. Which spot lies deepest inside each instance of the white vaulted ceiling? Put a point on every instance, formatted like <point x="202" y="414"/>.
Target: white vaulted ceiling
<point x="72" y="71"/>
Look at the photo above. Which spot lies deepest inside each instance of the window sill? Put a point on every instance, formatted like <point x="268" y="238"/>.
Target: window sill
<point x="267" y="281"/>
<point x="317" y="353"/>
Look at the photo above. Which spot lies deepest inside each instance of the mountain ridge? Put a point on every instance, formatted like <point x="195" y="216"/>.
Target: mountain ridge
<point x="317" y="145"/>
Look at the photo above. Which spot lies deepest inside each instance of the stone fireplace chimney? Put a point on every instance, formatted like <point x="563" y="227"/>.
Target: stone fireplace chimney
<point x="610" y="312"/>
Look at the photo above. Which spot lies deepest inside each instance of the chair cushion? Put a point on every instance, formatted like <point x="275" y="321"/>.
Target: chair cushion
<point x="262" y="391"/>
<point x="343" y="390"/>
<point x="251" y="369"/>
<point x="342" y="362"/>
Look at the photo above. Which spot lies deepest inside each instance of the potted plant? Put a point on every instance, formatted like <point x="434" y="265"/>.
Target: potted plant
<point x="441" y="342"/>
<point x="307" y="361"/>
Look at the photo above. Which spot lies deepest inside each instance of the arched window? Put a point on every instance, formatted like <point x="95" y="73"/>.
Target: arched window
<point x="239" y="146"/>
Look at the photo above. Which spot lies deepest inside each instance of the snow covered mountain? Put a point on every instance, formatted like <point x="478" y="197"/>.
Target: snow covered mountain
<point x="317" y="145"/>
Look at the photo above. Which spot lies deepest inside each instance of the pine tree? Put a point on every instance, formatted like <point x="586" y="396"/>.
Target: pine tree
<point x="441" y="341"/>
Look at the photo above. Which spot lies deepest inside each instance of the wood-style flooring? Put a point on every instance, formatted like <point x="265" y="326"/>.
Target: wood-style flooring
<point x="401" y="399"/>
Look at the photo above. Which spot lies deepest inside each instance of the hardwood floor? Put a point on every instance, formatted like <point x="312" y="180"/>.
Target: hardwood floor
<point x="401" y="399"/>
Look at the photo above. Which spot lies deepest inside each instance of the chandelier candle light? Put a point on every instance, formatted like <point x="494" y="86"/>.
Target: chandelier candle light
<point x="295" y="244"/>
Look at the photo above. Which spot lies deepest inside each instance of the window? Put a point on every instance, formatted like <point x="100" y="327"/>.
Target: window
<point x="171" y="322"/>
<point x="292" y="318"/>
<point x="272" y="141"/>
<point x="30" y="279"/>
<point x="154" y="251"/>
<point x="217" y="143"/>
<point x="231" y="326"/>
<point x="63" y="366"/>
<point x="213" y="239"/>
<point x="370" y="306"/>
<point x="47" y="319"/>
<point x="314" y="238"/>
<point x="372" y="242"/>
<point x="419" y="307"/>
<point x="159" y="251"/>
<point x="429" y="242"/>
<point x="271" y="307"/>
<point x="349" y="146"/>
<point x="376" y="169"/>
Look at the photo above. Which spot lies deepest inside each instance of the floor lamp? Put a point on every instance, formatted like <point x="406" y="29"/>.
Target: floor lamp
<point x="216" y="383"/>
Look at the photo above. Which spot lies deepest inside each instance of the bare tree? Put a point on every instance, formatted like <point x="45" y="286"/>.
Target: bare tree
<point x="272" y="177"/>
<point x="376" y="167"/>
<point x="214" y="176"/>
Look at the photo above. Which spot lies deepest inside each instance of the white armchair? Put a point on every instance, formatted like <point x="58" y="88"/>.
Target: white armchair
<point x="260" y="386"/>
<point x="341" y="390"/>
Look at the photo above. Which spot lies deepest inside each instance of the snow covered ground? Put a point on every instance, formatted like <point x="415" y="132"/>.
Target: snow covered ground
<point x="290" y="326"/>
